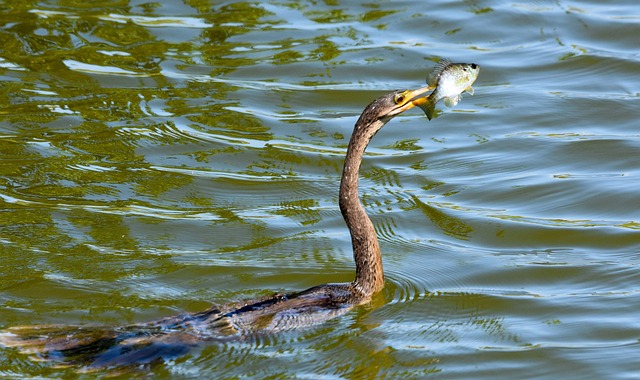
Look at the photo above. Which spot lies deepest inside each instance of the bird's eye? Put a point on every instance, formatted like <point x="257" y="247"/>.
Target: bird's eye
<point x="399" y="98"/>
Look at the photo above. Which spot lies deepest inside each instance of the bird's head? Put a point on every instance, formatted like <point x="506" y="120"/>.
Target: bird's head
<point x="392" y="104"/>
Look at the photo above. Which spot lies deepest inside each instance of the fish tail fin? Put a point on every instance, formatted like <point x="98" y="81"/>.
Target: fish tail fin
<point x="428" y="106"/>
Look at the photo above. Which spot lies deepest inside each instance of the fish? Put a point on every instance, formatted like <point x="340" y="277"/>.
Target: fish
<point x="450" y="81"/>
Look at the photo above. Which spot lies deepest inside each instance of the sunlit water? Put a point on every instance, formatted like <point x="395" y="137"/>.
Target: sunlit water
<point x="157" y="157"/>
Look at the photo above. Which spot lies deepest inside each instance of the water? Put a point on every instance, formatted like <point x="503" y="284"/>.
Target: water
<point x="159" y="157"/>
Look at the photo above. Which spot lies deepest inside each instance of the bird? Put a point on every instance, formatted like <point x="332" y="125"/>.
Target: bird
<point x="95" y="347"/>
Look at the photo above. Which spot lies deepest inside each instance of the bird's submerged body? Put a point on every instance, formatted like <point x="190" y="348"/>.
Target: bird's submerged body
<point x="94" y="347"/>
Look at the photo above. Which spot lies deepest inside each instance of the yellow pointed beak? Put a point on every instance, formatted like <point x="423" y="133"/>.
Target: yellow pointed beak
<point x="412" y="98"/>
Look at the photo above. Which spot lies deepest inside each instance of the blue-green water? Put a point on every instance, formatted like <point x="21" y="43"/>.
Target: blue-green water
<point x="159" y="157"/>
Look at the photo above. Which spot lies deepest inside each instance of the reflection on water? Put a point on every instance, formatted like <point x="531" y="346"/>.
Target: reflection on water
<point x="159" y="157"/>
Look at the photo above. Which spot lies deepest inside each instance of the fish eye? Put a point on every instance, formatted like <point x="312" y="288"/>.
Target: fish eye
<point x="474" y="66"/>
<point x="399" y="98"/>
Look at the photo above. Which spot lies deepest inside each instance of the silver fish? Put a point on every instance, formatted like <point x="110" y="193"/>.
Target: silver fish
<point x="450" y="80"/>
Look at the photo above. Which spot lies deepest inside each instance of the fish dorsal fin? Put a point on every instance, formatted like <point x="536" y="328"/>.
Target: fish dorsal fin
<point x="432" y="79"/>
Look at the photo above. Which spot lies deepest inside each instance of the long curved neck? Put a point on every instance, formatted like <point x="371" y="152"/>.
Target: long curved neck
<point x="366" y="249"/>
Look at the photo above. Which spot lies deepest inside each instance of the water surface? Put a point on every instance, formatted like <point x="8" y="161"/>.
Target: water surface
<point x="159" y="157"/>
